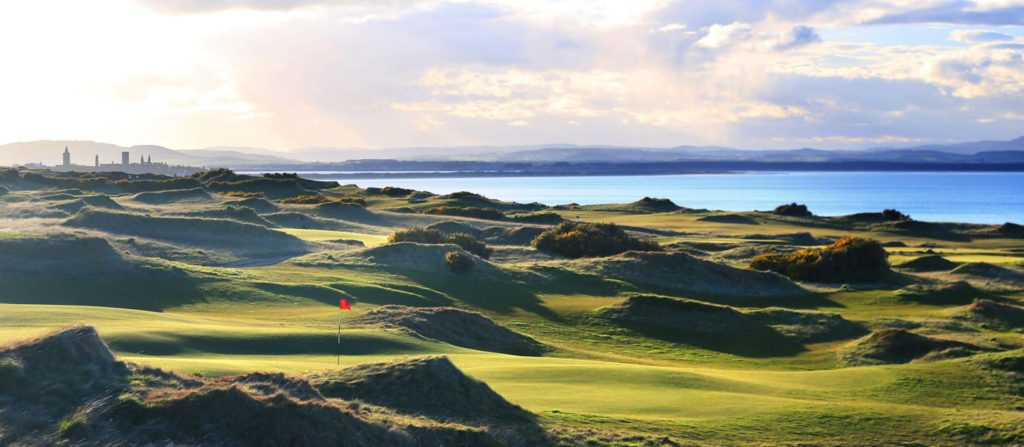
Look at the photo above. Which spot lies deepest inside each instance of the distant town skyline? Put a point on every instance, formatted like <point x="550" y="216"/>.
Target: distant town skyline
<point x="289" y="74"/>
<point x="144" y="166"/>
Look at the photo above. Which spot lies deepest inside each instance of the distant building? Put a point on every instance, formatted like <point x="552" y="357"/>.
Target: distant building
<point x="145" y="166"/>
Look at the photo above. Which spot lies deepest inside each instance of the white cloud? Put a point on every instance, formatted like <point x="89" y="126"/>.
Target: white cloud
<point x="291" y="73"/>
<point x="719" y="35"/>
<point x="672" y="27"/>
<point x="977" y="35"/>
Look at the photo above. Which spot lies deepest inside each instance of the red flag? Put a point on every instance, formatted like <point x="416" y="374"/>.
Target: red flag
<point x="343" y="305"/>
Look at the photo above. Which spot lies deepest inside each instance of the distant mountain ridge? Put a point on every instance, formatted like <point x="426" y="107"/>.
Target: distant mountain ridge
<point x="49" y="152"/>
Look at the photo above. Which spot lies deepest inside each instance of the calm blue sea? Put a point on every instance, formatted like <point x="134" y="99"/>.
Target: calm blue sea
<point x="990" y="197"/>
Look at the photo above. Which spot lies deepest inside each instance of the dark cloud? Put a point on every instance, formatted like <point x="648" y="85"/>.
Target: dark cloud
<point x="960" y="12"/>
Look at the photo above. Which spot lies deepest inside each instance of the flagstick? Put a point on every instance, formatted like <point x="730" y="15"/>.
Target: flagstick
<point x="338" y="349"/>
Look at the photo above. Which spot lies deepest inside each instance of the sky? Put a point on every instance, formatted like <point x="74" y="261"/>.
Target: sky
<point x="290" y="74"/>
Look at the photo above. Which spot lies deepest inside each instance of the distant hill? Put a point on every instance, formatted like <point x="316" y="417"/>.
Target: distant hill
<point x="83" y="152"/>
<point x="972" y="152"/>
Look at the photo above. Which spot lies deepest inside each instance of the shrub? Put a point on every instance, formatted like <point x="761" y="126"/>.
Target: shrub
<point x="470" y="244"/>
<point x="536" y="218"/>
<point x="850" y="259"/>
<point x="469" y="211"/>
<point x="793" y="209"/>
<point x="392" y="191"/>
<point x="318" y="199"/>
<point x="891" y="214"/>
<point x="579" y="239"/>
<point x="655" y="204"/>
<point x="458" y="262"/>
<point x="416" y="234"/>
<point x="9" y="174"/>
<point x="281" y="175"/>
<point x="306" y="200"/>
<point x="430" y="236"/>
<point x="244" y="194"/>
<point x="463" y="195"/>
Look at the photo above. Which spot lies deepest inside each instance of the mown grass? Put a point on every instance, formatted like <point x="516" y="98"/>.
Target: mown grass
<point x="283" y="317"/>
<point x="370" y="240"/>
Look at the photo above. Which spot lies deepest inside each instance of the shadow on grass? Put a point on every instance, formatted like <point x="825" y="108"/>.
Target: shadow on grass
<point x="248" y="344"/>
<point x="404" y="295"/>
<point x="130" y="289"/>
<point x="810" y="300"/>
<point x="496" y="295"/>
<point x="746" y="340"/>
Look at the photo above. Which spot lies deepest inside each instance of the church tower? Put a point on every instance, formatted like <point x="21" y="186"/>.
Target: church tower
<point x="67" y="157"/>
<point x="97" y="160"/>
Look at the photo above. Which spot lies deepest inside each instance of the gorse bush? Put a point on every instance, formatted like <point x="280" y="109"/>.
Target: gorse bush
<point x="430" y="236"/>
<point x="580" y="239"/>
<point x="891" y="214"/>
<point x="244" y="194"/>
<point x="850" y="259"/>
<point x="463" y="195"/>
<point x="469" y="211"/>
<point x="319" y="199"/>
<point x="392" y="191"/>
<point x="306" y="200"/>
<point x="470" y="244"/>
<point x="458" y="262"/>
<point x="792" y="209"/>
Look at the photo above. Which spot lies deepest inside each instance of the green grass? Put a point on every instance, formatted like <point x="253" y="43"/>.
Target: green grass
<point x="371" y="240"/>
<point x="283" y="317"/>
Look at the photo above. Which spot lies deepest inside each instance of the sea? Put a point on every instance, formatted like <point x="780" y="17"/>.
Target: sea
<point x="974" y="197"/>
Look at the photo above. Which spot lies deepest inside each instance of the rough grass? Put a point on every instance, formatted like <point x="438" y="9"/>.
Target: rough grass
<point x="688" y="275"/>
<point x="990" y="276"/>
<point x="221" y="233"/>
<point x="929" y="263"/>
<point x="90" y="398"/>
<point x="901" y="346"/>
<point x="165" y="197"/>
<point x="408" y="256"/>
<point x="995" y="313"/>
<point x="427" y="386"/>
<point x="959" y="292"/>
<point x="778" y="380"/>
<point x="454" y="326"/>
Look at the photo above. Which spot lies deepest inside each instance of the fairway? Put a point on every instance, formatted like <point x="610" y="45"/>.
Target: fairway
<point x="370" y="240"/>
<point x="679" y="339"/>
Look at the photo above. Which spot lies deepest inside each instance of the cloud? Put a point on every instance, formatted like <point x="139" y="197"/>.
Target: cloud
<point x="980" y="71"/>
<point x="453" y="72"/>
<point x="976" y="35"/>
<point x="979" y="12"/>
<point x="672" y="27"/>
<point x="798" y="36"/>
<point x="208" y="6"/>
<point x="720" y="36"/>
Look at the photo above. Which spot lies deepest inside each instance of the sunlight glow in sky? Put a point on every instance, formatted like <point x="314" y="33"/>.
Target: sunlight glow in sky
<point x="285" y="74"/>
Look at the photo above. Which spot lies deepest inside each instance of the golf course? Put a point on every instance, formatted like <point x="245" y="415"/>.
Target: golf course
<point x="130" y="301"/>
